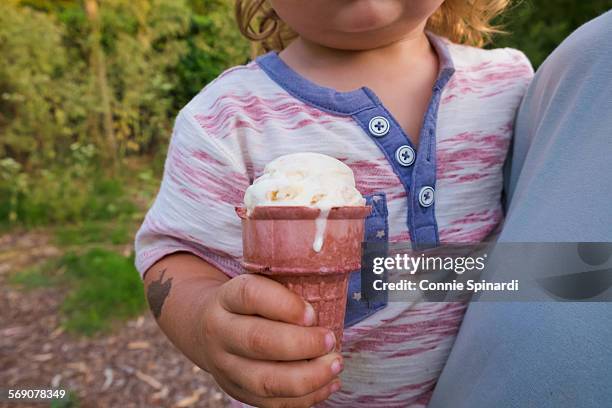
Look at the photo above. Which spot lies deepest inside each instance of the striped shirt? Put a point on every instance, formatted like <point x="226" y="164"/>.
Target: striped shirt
<point x="254" y="113"/>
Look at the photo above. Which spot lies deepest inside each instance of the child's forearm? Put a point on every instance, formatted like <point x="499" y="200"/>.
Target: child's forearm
<point x="177" y="288"/>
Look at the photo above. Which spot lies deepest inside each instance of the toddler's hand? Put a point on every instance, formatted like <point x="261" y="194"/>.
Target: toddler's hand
<point x="260" y="347"/>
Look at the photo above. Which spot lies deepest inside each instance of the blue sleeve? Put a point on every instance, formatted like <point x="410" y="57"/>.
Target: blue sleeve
<point x="560" y="190"/>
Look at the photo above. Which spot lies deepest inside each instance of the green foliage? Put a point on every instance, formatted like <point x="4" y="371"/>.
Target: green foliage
<point x="157" y="54"/>
<point x="538" y="27"/>
<point x="65" y="192"/>
<point x="213" y="44"/>
<point x="39" y="90"/>
<point x="107" y="287"/>
<point x="94" y="232"/>
<point x="71" y="400"/>
<point x="144" y="43"/>
<point x="102" y="287"/>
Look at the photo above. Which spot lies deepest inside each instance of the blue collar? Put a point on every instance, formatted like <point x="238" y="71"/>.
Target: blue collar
<point x="343" y="103"/>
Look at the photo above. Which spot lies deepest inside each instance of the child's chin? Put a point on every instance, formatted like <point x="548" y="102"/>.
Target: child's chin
<point x="361" y="41"/>
<point x="366" y="16"/>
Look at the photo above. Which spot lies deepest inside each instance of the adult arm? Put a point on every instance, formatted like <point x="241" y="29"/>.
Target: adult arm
<point x="549" y="354"/>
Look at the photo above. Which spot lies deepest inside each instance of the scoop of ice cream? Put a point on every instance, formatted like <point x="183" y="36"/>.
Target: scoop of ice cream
<point x="304" y="179"/>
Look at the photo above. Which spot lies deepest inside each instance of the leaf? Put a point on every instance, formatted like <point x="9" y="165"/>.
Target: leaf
<point x="138" y="345"/>
<point x="148" y="379"/>
<point x="42" y="357"/>
<point x="192" y="399"/>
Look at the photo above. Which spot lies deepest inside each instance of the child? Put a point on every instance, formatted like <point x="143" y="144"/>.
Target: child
<point x="425" y="124"/>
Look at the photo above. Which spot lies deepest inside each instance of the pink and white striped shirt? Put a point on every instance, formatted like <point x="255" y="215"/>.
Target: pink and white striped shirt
<point x="254" y="113"/>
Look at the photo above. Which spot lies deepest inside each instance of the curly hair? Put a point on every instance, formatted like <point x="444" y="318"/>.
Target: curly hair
<point x="461" y="21"/>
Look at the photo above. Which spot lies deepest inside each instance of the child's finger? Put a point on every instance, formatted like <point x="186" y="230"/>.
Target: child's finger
<point x="257" y="295"/>
<point x="262" y="339"/>
<point x="309" y="400"/>
<point x="267" y="379"/>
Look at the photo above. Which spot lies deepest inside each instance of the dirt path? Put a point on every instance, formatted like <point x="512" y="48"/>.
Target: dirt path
<point x="135" y="366"/>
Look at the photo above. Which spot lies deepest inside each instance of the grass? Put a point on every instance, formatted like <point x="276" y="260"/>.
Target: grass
<point x="38" y="276"/>
<point x="89" y="214"/>
<point x="71" y="400"/>
<point x="103" y="287"/>
<point x="107" y="287"/>
<point x="95" y="232"/>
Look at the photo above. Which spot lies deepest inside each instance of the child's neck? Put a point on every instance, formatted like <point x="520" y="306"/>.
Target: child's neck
<point x="401" y="73"/>
<point x="307" y="56"/>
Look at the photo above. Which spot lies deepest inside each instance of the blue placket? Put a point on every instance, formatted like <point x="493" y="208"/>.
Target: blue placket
<point x="415" y="169"/>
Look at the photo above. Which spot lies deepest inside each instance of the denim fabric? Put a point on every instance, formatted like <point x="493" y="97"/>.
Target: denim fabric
<point x="362" y="300"/>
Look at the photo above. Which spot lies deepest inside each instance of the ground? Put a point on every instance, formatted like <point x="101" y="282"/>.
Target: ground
<point x="132" y="366"/>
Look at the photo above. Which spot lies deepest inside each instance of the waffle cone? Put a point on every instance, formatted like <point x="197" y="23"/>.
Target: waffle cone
<point x="326" y="294"/>
<point x="278" y="243"/>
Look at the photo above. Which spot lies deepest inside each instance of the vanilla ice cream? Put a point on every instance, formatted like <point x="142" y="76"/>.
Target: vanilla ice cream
<point x="305" y="179"/>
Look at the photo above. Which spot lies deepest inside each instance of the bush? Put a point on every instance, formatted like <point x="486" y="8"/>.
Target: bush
<point x="57" y="164"/>
<point x="41" y="95"/>
<point x="213" y="45"/>
<point x="538" y="27"/>
<point x="66" y="192"/>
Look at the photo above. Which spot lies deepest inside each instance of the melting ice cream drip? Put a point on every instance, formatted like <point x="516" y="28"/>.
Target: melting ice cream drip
<point x="320" y="224"/>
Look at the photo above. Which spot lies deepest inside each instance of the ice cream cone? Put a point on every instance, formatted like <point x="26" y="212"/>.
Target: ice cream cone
<point x="278" y="242"/>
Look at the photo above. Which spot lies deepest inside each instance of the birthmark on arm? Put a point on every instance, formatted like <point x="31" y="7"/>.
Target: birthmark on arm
<point x="157" y="293"/>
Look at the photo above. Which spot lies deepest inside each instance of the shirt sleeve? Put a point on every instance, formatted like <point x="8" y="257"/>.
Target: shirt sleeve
<point x="519" y="58"/>
<point x="194" y="210"/>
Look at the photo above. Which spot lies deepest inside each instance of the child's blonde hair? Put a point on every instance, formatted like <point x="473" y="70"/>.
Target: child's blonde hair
<point x="461" y="21"/>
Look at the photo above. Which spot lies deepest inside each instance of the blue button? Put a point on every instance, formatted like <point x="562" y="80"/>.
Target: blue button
<point x="379" y="126"/>
<point x="405" y="155"/>
<point x="426" y="196"/>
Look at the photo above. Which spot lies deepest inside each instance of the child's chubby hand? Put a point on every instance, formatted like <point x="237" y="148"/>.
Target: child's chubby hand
<point x="263" y="348"/>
